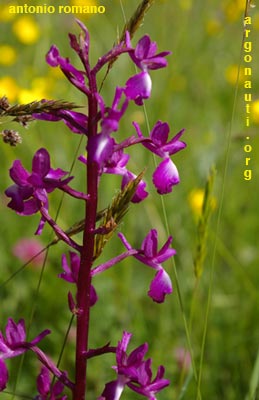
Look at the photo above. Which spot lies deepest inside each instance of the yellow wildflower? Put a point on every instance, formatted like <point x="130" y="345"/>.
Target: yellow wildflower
<point x="5" y="15"/>
<point x="26" y="29"/>
<point x="195" y="200"/>
<point x="39" y="90"/>
<point x="29" y="95"/>
<point x="213" y="26"/>
<point x="83" y="3"/>
<point x="233" y="9"/>
<point x="8" y="55"/>
<point x="231" y="74"/>
<point x="255" y="111"/>
<point x="9" y="88"/>
<point x="42" y="84"/>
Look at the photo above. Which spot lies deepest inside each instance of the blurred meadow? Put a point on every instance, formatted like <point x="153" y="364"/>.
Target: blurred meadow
<point x="213" y="316"/>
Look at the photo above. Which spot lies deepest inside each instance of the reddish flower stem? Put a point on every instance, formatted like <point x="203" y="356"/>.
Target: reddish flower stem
<point x="87" y="253"/>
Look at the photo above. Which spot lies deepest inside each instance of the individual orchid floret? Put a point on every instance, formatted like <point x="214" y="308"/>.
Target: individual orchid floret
<point x="166" y="174"/>
<point x="14" y="344"/>
<point x="82" y="44"/>
<point x="138" y="87"/>
<point x="101" y="151"/>
<point x="111" y="116"/>
<point x="158" y="140"/>
<point x="30" y="191"/>
<point x="75" y="121"/>
<point x="127" y="364"/>
<point x="48" y="391"/>
<point x="134" y="372"/>
<point x="145" y="385"/>
<point x="149" y="255"/>
<point x="145" y="57"/>
<point x="76" y="77"/>
<point x="71" y="272"/>
<point x="117" y="163"/>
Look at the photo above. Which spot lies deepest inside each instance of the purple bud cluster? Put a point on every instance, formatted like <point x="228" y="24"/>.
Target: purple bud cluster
<point x="105" y="154"/>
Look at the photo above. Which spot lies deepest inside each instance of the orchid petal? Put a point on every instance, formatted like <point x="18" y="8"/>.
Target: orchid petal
<point x="165" y="176"/>
<point x="160" y="286"/>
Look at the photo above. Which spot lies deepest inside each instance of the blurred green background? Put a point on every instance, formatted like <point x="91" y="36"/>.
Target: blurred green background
<point x="197" y="91"/>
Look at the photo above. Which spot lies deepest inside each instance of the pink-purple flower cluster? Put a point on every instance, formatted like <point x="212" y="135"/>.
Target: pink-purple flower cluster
<point x="135" y="372"/>
<point x="30" y="191"/>
<point x="106" y="154"/>
<point x="47" y="390"/>
<point x="14" y="344"/>
<point x="149" y="255"/>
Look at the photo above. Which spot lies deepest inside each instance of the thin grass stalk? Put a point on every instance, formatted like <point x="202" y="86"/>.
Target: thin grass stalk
<point x="220" y="210"/>
<point x="254" y="381"/>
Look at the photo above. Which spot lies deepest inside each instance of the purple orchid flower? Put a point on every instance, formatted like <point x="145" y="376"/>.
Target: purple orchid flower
<point x="134" y="372"/>
<point x="117" y="163"/>
<point x="149" y="255"/>
<point x="76" y="77"/>
<point x="158" y="141"/>
<point x="166" y="174"/>
<point x="13" y="345"/>
<point x="145" y="57"/>
<point x="145" y="385"/>
<point x="70" y="275"/>
<point x="46" y="390"/>
<point x="138" y="87"/>
<point x="77" y="122"/>
<point x="100" y="150"/>
<point x="114" y="164"/>
<point x="29" y="193"/>
<point x="111" y="116"/>
<point x="81" y="45"/>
